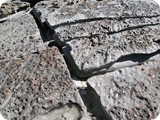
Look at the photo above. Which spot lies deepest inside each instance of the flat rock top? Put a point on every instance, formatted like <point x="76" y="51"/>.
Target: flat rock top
<point x="19" y="35"/>
<point x="34" y="84"/>
<point x="130" y="93"/>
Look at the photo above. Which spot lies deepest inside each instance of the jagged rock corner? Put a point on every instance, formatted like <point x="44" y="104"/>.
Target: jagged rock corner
<point x="80" y="60"/>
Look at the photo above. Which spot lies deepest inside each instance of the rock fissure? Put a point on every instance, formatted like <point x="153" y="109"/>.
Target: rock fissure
<point x="110" y="45"/>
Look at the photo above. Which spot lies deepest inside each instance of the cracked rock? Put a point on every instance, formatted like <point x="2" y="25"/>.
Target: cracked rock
<point x="130" y="93"/>
<point x="101" y="32"/>
<point x="38" y="86"/>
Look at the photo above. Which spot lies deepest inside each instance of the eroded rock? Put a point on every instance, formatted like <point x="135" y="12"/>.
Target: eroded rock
<point x="92" y="37"/>
<point x="19" y="35"/>
<point x="36" y="85"/>
<point x="10" y="7"/>
<point x="129" y="93"/>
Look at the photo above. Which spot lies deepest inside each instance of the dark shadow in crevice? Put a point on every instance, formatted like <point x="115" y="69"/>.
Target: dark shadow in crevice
<point x="136" y="58"/>
<point x="32" y="2"/>
<point x="131" y="28"/>
<point x="105" y="18"/>
<point x="93" y="103"/>
<point x="43" y="29"/>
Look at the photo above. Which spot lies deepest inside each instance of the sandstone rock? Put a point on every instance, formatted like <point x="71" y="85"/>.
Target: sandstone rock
<point x="19" y="35"/>
<point x="96" y="37"/>
<point x="38" y="86"/>
<point x="129" y="93"/>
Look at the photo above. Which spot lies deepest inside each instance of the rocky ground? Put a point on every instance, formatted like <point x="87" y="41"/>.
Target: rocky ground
<point x="80" y="60"/>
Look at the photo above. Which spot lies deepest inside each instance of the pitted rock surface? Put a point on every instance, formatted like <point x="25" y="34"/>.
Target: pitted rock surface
<point x="36" y="84"/>
<point x="100" y="29"/>
<point x="19" y="35"/>
<point x="10" y="7"/>
<point x="111" y="49"/>
<point x="125" y="97"/>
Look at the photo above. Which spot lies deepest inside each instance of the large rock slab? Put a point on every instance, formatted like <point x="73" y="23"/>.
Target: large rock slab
<point x="19" y="35"/>
<point x="96" y="37"/>
<point x="38" y="86"/>
<point x="129" y="93"/>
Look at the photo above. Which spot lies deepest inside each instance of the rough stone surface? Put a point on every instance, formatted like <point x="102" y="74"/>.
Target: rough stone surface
<point x="130" y="93"/>
<point x="112" y="52"/>
<point x="36" y="84"/>
<point x="100" y="29"/>
<point x="13" y="6"/>
<point x="19" y="35"/>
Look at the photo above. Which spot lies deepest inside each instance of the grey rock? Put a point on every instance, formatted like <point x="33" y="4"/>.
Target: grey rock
<point x="38" y="85"/>
<point x="19" y="35"/>
<point x="93" y="44"/>
<point x="93" y="32"/>
<point x="92" y="9"/>
<point x="13" y="6"/>
<point x="43" y="9"/>
<point x="130" y="93"/>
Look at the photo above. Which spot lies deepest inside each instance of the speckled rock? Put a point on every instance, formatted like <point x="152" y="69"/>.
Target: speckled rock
<point x="129" y="93"/>
<point x="19" y="35"/>
<point x="101" y="32"/>
<point x="10" y="7"/>
<point x="37" y="85"/>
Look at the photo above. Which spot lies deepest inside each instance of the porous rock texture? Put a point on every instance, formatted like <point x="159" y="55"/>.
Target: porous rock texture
<point x="125" y="97"/>
<point x="19" y="35"/>
<point x="10" y="7"/>
<point x="37" y="85"/>
<point x="111" y="46"/>
<point x="93" y="32"/>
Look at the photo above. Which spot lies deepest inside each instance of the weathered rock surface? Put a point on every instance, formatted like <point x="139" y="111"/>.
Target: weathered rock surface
<point x="112" y="45"/>
<point x="13" y="6"/>
<point x="129" y="93"/>
<point x="19" y="35"/>
<point x="37" y="85"/>
<point x="100" y="29"/>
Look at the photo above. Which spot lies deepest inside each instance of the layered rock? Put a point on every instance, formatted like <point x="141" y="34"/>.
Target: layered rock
<point x="113" y="45"/>
<point x="92" y="37"/>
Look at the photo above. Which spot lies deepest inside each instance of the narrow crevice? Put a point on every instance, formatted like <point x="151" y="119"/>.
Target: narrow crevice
<point x="130" y="28"/>
<point x="43" y="29"/>
<point x="32" y="2"/>
<point x="48" y="34"/>
<point x="92" y="100"/>
<point x="102" y="18"/>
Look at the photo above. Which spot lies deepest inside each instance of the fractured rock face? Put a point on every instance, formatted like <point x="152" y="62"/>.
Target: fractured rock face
<point x="19" y="35"/>
<point x="129" y="93"/>
<point x="96" y="37"/>
<point x="35" y="84"/>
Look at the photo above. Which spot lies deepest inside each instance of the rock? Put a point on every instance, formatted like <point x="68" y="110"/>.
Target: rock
<point x="42" y="10"/>
<point x="90" y="9"/>
<point x="19" y="35"/>
<point x="111" y="51"/>
<point x="38" y="86"/>
<point x="92" y="37"/>
<point x="10" y="7"/>
<point x="129" y="93"/>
